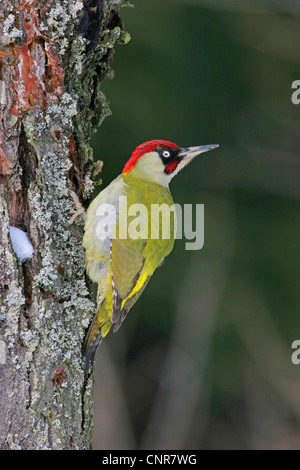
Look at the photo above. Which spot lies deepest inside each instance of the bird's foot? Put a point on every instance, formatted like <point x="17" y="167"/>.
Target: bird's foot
<point x="80" y="209"/>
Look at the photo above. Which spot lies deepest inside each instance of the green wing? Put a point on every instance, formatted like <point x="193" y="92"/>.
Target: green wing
<point x="134" y="261"/>
<point x="126" y="266"/>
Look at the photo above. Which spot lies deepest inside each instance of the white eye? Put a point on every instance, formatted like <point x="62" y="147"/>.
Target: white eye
<point x="166" y="154"/>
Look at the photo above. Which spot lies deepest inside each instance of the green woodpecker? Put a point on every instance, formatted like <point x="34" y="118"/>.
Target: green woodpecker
<point x="122" y="266"/>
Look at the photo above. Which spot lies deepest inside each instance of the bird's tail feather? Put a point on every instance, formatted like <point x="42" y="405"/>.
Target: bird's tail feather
<point x="90" y="351"/>
<point x="99" y="328"/>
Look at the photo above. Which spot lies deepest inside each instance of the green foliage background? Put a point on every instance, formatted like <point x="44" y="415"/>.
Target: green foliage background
<point x="204" y="358"/>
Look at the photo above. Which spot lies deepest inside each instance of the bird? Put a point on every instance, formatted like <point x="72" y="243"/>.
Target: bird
<point x="122" y="266"/>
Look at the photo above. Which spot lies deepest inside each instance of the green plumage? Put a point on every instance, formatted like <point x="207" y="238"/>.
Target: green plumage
<point x="123" y="267"/>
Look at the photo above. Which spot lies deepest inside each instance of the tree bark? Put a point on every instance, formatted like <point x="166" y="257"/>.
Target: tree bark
<point x="54" y="55"/>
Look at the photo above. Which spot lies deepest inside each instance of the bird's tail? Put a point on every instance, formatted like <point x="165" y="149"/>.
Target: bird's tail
<point x="99" y="328"/>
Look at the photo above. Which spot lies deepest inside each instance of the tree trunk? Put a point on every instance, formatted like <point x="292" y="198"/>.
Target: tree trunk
<point x="54" y="55"/>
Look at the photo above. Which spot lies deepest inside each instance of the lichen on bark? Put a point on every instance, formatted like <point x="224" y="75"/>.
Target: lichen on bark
<point x="53" y="58"/>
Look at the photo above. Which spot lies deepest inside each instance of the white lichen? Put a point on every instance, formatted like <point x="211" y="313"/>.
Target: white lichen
<point x="14" y="301"/>
<point x="89" y="185"/>
<point x="59" y="18"/>
<point x="63" y="112"/>
<point x="10" y="30"/>
<point x="74" y="8"/>
<point x="3" y="95"/>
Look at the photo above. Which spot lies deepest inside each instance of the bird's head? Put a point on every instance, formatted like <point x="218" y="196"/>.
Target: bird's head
<point x="160" y="160"/>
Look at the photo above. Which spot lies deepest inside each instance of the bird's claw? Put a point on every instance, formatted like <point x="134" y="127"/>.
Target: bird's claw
<point x="80" y="209"/>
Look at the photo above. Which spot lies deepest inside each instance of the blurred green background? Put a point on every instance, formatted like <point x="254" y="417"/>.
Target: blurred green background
<point x="203" y="360"/>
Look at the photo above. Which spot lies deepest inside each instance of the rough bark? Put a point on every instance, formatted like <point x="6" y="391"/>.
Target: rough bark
<point x="54" y="55"/>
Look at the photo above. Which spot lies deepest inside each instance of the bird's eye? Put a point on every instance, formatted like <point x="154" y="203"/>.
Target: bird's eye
<point x="166" y="154"/>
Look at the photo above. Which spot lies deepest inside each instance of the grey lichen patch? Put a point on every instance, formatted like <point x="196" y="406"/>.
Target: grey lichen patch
<point x="61" y="18"/>
<point x="13" y="302"/>
<point x="13" y="441"/>
<point x="9" y="29"/>
<point x="62" y="112"/>
<point x="10" y="313"/>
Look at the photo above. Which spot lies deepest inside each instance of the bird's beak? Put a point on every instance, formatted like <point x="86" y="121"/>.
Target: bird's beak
<point x="191" y="152"/>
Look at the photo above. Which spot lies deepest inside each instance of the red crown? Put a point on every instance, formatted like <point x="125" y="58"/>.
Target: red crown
<point x="146" y="147"/>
